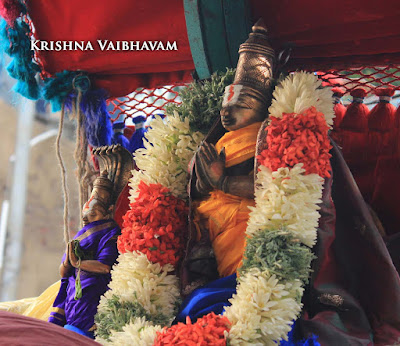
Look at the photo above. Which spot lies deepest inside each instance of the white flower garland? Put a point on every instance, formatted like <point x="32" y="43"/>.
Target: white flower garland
<point x="136" y="279"/>
<point x="138" y="332"/>
<point x="169" y="147"/>
<point x="263" y="309"/>
<point x="300" y="91"/>
<point x="287" y="197"/>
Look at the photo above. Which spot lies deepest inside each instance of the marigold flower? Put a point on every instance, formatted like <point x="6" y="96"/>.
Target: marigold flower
<point x="300" y="91"/>
<point x="208" y="330"/>
<point x="298" y="138"/>
<point x="154" y="225"/>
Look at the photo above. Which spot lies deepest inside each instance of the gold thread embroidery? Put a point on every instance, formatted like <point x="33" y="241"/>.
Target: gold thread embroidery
<point x="95" y="229"/>
<point x="93" y="328"/>
<point x="57" y="318"/>
<point x="58" y="311"/>
<point x="331" y="299"/>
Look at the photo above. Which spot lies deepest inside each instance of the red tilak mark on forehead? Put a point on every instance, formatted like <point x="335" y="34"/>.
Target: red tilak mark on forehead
<point x="231" y="92"/>
<point x="87" y="204"/>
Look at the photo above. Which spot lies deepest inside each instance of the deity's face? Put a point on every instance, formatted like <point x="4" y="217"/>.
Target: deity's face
<point x="93" y="210"/>
<point x="236" y="117"/>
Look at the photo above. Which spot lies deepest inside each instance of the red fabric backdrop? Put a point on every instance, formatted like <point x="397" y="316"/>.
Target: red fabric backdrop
<point x="326" y="34"/>
<point x="329" y="34"/>
<point x="120" y="72"/>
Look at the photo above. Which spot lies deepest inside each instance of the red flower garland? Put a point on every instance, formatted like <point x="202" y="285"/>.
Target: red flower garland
<point x="296" y="138"/>
<point x="154" y="225"/>
<point x="208" y="330"/>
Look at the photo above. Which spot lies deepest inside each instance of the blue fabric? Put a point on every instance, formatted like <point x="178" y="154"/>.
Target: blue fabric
<point x="118" y="125"/>
<point x="311" y="341"/>
<point x="210" y="298"/>
<point x="98" y="242"/>
<point x="79" y="331"/>
<point x="97" y="122"/>
<point x="139" y="119"/>
<point x="214" y="297"/>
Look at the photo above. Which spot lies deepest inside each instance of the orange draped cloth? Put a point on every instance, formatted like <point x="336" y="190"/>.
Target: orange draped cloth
<point x="224" y="215"/>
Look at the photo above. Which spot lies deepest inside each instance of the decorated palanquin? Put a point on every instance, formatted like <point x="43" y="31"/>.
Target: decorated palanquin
<point x="243" y="228"/>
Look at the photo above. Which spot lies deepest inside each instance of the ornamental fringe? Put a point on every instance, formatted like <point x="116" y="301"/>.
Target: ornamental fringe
<point x="168" y="150"/>
<point x="264" y="308"/>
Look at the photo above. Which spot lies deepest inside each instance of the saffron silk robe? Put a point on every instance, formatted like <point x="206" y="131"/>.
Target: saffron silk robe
<point x="224" y="215"/>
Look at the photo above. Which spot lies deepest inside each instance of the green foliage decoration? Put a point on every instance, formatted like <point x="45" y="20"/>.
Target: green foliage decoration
<point x="202" y="101"/>
<point x="280" y="253"/>
<point x="117" y="314"/>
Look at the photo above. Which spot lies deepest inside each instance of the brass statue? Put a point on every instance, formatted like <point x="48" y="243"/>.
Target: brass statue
<point x="345" y="272"/>
<point x="86" y="265"/>
<point x="245" y="103"/>
<point x="224" y="166"/>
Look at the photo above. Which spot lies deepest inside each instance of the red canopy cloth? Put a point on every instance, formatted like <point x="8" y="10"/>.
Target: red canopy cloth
<point x="20" y="330"/>
<point x="333" y="34"/>
<point x="120" y="72"/>
<point x="324" y="34"/>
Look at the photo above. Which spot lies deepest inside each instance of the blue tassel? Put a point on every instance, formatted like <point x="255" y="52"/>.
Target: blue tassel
<point x="58" y="88"/>
<point x="16" y="43"/>
<point x="136" y="141"/>
<point x="118" y="135"/>
<point x="119" y="138"/>
<point x="97" y="119"/>
<point x="62" y="89"/>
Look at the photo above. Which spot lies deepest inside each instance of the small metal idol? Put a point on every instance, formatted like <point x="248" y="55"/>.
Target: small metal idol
<point x="86" y="265"/>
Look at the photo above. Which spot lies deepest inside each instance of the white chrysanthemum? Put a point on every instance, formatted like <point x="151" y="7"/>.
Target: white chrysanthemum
<point x="138" y="332"/>
<point x="300" y="91"/>
<point x="169" y="147"/>
<point x="263" y="309"/>
<point x="136" y="279"/>
<point x="287" y="197"/>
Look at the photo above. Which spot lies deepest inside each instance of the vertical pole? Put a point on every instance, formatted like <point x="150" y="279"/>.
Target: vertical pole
<point x="14" y="243"/>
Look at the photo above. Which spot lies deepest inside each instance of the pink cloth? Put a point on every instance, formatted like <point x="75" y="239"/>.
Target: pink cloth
<point x="20" y="330"/>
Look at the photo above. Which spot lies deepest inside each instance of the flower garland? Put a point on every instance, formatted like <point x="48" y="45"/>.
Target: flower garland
<point x="281" y="230"/>
<point x="283" y="225"/>
<point x="208" y="330"/>
<point x="155" y="224"/>
<point x="144" y="292"/>
<point x="164" y="160"/>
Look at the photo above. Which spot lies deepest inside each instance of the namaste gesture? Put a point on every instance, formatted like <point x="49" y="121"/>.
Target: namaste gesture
<point x="210" y="168"/>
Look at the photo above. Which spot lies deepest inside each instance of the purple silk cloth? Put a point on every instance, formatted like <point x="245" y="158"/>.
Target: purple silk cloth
<point x="98" y="240"/>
